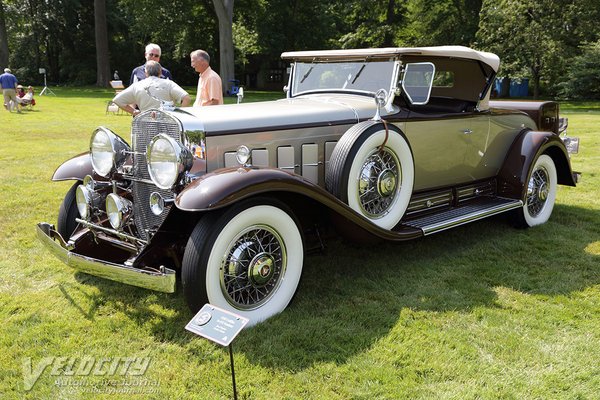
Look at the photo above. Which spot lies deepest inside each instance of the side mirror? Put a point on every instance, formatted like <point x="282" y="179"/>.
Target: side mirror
<point x="380" y="99"/>
<point x="417" y="82"/>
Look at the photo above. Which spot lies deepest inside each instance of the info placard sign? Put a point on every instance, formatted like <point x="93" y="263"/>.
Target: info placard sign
<point x="216" y="324"/>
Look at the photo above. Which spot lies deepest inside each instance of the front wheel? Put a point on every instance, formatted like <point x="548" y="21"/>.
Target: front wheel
<point x="541" y="194"/>
<point x="247" y="260"/>
<point x="67" y="213"/>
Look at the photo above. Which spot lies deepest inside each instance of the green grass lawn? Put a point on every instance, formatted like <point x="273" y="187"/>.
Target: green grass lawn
<point x="483" y="311"/>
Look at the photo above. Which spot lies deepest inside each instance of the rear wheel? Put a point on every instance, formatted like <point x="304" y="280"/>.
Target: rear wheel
<point x="67" y="213"/>
<point x="541" y="194"/>
<point x="247" y="259"/>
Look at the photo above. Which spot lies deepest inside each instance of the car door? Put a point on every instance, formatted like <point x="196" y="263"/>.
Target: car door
<point x="477" y="158"/>
<point x="439" y="147"/>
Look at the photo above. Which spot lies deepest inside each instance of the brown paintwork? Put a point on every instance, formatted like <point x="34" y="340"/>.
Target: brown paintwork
<point x="75" y="168"/>
<point x="544" y="113"/>
<point x="514" y="175"/>
<point x="230" y="185"/>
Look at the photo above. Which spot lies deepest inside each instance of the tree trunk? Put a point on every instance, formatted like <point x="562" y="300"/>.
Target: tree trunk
<point x="536" y="85"/>
<point x="3" y="40"/>
<point x="388" y="39"/>
<point x="102" y="64"/>
<point x="536" y="74"/>
<point x="224" y="11"/>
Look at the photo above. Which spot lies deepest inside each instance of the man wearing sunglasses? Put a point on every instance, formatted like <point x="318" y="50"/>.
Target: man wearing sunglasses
<point x="152" y="54"/>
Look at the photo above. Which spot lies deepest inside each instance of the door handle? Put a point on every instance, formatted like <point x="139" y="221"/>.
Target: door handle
<point x="467" y="131"/>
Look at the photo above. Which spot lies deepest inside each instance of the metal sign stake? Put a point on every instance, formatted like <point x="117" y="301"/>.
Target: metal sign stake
<point x="219" y="326"/>
<point x="232" y="371"/>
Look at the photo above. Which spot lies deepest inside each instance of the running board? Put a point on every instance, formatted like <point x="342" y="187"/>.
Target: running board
<point x="478" y="209"/>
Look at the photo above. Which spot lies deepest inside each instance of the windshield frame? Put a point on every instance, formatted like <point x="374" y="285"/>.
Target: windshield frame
<point x="301" y="70"/>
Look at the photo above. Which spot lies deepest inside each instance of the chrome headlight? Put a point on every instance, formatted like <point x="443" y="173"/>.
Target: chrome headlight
<point x="83" y="198"/>
<point x="167" y="161"/>
<point x="108" y="151"/>
<point x="87" y="200"/>
<point x="118" y="210"/>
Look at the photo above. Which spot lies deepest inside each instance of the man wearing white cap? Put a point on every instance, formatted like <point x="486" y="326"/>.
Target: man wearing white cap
<point x="9" y="89"/>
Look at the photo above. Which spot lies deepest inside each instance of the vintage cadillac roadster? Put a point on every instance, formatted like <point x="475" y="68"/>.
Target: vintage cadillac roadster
<point x="391" y="144"/>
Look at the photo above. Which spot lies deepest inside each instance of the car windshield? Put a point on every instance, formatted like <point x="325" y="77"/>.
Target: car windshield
<point x="357" y="76"/>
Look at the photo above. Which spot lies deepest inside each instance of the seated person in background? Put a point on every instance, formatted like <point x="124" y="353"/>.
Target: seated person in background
<point x="25" y="98"/>
<point x="149" y="92"/>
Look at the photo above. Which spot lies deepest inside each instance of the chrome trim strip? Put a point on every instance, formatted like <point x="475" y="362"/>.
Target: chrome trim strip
<point x="163" y="281"/>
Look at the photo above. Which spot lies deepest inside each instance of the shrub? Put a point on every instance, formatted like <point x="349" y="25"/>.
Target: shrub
<point x="583" y="74"/>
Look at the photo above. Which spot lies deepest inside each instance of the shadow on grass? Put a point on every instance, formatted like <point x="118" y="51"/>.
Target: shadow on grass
<point x="353" y="296"/>
<point x="163" y="314"/>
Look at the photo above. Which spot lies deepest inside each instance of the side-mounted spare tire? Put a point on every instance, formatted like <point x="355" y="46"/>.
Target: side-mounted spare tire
<point x="372" y="170"/>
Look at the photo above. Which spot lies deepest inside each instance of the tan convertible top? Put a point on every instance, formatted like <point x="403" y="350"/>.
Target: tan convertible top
<point x="356" y="54"/>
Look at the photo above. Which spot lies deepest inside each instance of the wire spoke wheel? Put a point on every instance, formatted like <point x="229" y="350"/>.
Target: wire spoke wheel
<point x="538" y="191"/>
<point x="252" y="268"/>
<point x="372" y="170"/>
<point x="378" y="180"/>
<point x="540" y="194"/>
<point x="247" y="259"/>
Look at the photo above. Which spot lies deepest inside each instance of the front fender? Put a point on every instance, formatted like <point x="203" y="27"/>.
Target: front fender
<point x="514" y="174"/>
<point x="227" y="186"/>
<point x="74" y="169"/>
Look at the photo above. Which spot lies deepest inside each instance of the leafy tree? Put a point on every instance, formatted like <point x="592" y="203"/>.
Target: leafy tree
<point x="520" y="32"/>
<point x="442" y="22"/>
<point x="537" y="38"/>
<point x="583" y="74"/>
<point x="246" y="43"/>
<point x="178" y="27"/>
<point x="373" y="24"/>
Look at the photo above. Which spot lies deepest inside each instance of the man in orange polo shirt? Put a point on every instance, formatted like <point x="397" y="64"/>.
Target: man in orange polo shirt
<point x="210" y="91"/>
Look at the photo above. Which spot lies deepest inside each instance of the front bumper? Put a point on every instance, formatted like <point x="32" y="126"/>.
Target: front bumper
<point x="163" y="281"/>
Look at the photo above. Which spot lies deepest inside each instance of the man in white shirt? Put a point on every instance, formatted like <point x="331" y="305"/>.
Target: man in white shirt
<point x="149" y="92"/>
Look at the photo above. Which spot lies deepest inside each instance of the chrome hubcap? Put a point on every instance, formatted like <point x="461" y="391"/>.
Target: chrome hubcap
<point x="543" y="192"/>
<point x="386" y="183"/>
<point x="538" y="190"/>
<point x="253" y="267"/>
<point x="378" y="183"/>
<point x="261" y="269"/>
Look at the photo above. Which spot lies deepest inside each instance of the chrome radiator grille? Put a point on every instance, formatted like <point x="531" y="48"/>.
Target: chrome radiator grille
<point x="144" y="128"/>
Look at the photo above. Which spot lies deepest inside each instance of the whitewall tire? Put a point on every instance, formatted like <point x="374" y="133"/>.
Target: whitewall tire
<point x="374" y="181"/>
<point x="541" y="193"/>
<point x="247" y="260"/>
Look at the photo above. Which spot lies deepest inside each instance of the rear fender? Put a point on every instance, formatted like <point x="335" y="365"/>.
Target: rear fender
<point x="529" y="145"/>
<point x="74" y="169"/>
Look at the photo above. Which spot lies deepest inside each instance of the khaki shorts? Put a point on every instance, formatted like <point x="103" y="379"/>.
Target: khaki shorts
<point x="10" y="94"/>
